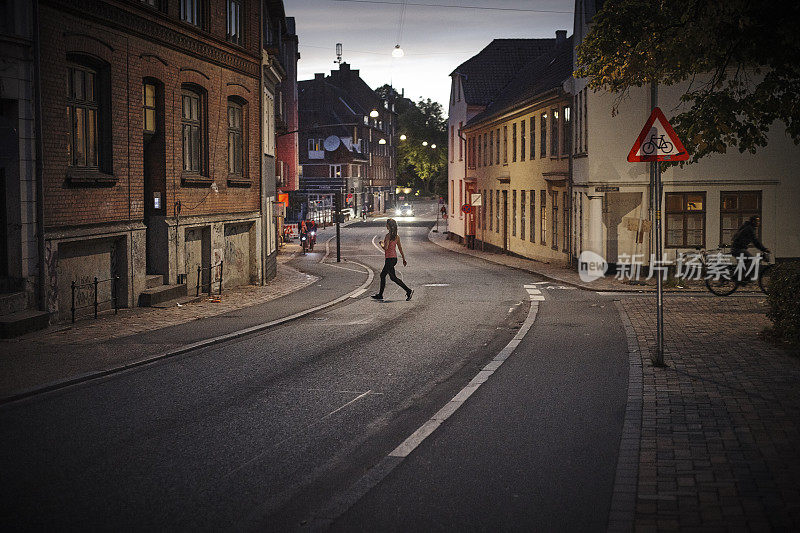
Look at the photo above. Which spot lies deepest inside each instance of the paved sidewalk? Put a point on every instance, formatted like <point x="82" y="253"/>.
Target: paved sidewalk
<point x="720" y="426"/>
<point x="68" y="352"/>
<point x="569" y="276"/>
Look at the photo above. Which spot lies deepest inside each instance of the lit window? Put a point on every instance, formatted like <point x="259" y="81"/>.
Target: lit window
<point x="82" y="117"/>
<point x="234" y="12"/>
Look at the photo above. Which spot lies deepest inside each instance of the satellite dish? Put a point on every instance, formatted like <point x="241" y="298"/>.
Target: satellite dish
<point x="332" y="143"/>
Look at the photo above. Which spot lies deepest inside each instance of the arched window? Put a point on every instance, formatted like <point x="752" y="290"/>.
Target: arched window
<point x="193" y="130"/>
<point x="236" y="138"/>
<point x="83" y="109"/>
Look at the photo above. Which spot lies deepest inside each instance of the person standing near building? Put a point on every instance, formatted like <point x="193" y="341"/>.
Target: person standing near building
<point x="391" y="244"/>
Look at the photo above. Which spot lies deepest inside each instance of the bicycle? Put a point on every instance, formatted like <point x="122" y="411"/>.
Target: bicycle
<point x="724" y="281"/>
<point x="661" y="144"/>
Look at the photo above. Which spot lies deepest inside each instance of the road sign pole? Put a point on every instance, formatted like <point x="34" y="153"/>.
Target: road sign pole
<point x="338" y="207"/>
<point x="659" y="358"/>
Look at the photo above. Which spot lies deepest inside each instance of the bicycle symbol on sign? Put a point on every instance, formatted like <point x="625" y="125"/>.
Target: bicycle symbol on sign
<point x="657" y="143"/>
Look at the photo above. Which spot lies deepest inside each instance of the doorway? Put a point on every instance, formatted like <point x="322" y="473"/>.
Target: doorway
<point x="505" y="221"/>
<point x="155" y="166"/>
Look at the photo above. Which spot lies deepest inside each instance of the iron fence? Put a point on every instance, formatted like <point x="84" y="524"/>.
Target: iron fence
<point x="96" y="303"/>
<point x="210" y="269"/>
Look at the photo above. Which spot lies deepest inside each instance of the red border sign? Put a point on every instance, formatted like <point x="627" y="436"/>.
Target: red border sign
<point x="466" y="208"/>
<point x="657" y="114"/>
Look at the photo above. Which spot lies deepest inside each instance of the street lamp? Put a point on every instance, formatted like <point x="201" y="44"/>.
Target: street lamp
<point x="398" y="52"/>
<point x="433" y="146"/>
<point x="424" y="143"/>
<point x="374" y="113"/>
<point x="403" y="137"/>
<point x="382" y="141"/>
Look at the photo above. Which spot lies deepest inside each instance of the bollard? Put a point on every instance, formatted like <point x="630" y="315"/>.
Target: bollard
<point x="114" y="293"/>
<point x="220" y="276"/>
<point x="199" y="273"/>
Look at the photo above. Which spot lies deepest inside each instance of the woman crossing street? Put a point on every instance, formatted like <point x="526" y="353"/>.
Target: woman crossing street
<point x="391" y="244"/>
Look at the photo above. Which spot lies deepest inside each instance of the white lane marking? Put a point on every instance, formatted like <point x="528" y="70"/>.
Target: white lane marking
<point x="560" y="287"/>
<point x="533" y="285"/>
<point x="376" y="244"/>
<point x="537" y="298"/>
<point x="345" y="405"/>
<point x="408" y="445"/>
<point x="327" y="248"/>
<point x="533" y="291"/>
<point x="344" y="268"/>
<point x="358" y="293"/>
<point x="436" y="285"/>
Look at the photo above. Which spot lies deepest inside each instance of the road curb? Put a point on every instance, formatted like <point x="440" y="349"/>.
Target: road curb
<point x="571" y="283"/>
<point x="83" y="378"/>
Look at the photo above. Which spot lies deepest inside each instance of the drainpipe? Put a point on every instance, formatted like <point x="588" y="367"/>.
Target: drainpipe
<point x="37" y="98"/>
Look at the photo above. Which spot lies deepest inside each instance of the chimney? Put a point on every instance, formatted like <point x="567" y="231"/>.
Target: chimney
<point x="344" y="67"/>
<point x="319" y="76"/>
<point x="561" y="36"/>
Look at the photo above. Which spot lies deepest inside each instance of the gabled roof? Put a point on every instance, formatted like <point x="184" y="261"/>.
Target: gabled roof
<point x="543" y="74"/>
<point x="486" y="73"/>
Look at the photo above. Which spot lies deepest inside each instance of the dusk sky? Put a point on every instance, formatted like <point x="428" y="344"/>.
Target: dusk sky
<point x="435" y="39"/>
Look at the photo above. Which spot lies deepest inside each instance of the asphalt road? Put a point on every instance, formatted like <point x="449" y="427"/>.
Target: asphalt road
<point x="259" y="433"/>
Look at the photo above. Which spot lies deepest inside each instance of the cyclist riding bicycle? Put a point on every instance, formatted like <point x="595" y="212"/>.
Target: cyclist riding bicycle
<point x="747" y="234"/>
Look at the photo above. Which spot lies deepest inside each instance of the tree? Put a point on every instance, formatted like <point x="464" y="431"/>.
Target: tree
<point x="422" y="166"/>
<point x="738" y="57"/>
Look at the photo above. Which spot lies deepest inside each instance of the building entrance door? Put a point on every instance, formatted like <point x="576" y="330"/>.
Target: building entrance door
<point x="505" y="221"/>
<point x="155" y="166"/>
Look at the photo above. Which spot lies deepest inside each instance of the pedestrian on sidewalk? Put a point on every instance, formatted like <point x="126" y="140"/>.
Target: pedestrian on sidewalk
<point x="390" y="245"/>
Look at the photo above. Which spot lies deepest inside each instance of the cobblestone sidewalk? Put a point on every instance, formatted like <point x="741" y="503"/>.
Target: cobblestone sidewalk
<point x="720" y="427"/>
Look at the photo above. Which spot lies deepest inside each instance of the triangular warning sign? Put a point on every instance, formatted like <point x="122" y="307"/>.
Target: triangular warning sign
<point x="652" y="146"/>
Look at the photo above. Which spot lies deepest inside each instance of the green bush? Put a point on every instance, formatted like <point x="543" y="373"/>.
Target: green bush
<point x="784" y="301"/>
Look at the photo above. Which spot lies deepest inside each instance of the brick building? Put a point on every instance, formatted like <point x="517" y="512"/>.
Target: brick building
<point x="347" y="138"/>
<point x="151" y="137"/>
<point x="288" y="169"/>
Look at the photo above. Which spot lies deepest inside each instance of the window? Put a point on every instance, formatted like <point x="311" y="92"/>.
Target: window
<point x="735" y="209"/>
<point x="483" y="210"/>
<point x="543" y="215"/>
<point x="532" y="200"/>
<point x="491" y="146"/>
<point x="497" y="214"/>
<point x="566" y="224"/>
<point x="567" y="134"/>
<point x="460" y="198"/>
<point x="192" y="12"/>
<point x="505" y="145"/>
<point x="192" y="129"/>
<point x="514" y="213"/>
<point x="497" y="156"/>
<point x="452" y="139"/>
<point x="514" y="142"/>
<point x="533" y="138"/>
<point x="161" y="5"/>
<point x="491" y="210"/>
<point x="82" y="117"/>
<point x="554" y="133"/>
<point x="579" y="125"/>
<point x="460" y="143"/>
<point x="234" y="10"/>
<point x="554" y="202"/>
<point x="235" y="138"/>
<point x="543" y="128"/>
<point x="149" y="107"/>
<point x="479" y="151"/>
<point x="585" y="123"/>
<point x="522" y="212"/>
<point x="686" y="219"/>
<point x="521" y="141"/>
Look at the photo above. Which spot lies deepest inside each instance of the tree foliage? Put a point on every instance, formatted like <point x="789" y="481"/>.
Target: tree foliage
<point x="738" y="58"/>
<point x="419" y="166"/>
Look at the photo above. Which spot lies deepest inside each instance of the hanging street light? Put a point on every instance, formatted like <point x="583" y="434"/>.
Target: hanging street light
<point x="374" y="113"/>
<point x="382" y="141"/>
<point x="424" y="143"/>
<point x="398" y="52"/>
<point x="433" y="146"/>
<point x="403" y="137"/>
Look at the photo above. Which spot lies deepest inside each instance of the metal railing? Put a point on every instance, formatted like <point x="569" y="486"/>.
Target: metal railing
<point x="210" y="269"/>
<point x="96" y="304"/>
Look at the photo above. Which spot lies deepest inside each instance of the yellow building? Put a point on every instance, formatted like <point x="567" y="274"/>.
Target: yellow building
<point x="518" y="164"/>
